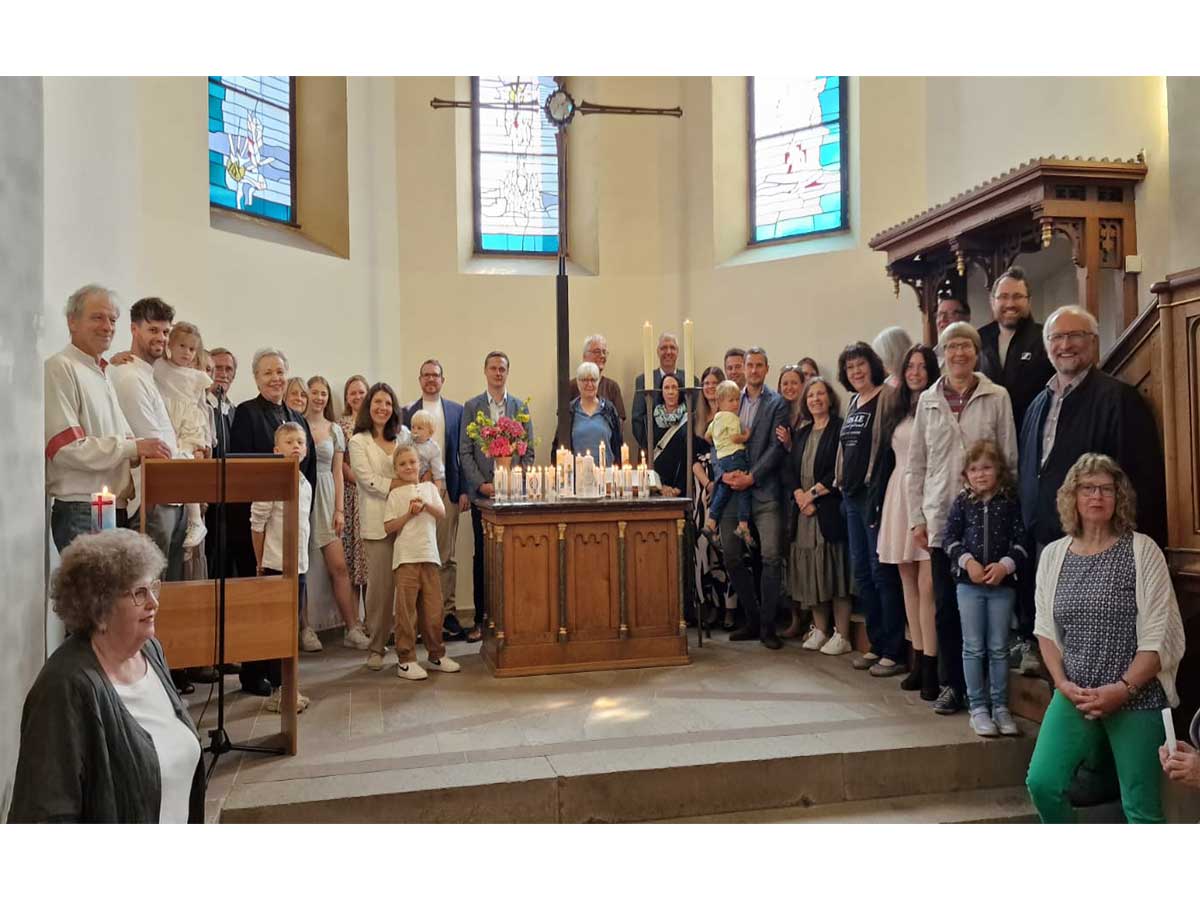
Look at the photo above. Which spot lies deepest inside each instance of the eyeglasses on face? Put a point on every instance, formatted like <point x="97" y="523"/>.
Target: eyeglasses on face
<point x="1092" y="490"/>
<point x="142" y="593"/>
<point x="1074" y="337"/>
<point x="1004" y="298"/>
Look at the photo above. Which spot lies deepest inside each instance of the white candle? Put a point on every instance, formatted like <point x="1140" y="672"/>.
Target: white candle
<point x="534" y="483"/>
<point x="104" y="510"/>
<point x="689" y="350"/>
<point x="500" y="483"/>
<point x="601" y="459"/>
<point x="624" y="454"/>
<point x="648" y="356"/>
<point x="516" y="486"/>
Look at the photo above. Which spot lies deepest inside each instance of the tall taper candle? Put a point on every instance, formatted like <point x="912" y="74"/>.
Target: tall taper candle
<point x="648" y="355"/>
<point x="689" y="351"/>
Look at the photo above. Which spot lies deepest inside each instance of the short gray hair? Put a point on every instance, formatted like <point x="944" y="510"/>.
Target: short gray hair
<point x="960" y="330"/>
<point x="588" y="370"/>
<point x="891" y="344"/>
<point x="96" y="570"/>
<point x="1074" y="310"/>
<point x="667" y="334"/>
<point x="74" y="308"/>
<point x="593" y="339"/>
<point x="260" y="355"/>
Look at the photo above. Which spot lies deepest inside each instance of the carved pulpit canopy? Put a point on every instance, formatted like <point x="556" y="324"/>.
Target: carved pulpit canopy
<point x="1089" y="201"/>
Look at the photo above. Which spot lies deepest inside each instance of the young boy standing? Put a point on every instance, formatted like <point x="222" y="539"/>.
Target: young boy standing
<point x="413" y="508"/>
<point x="266" y="528"/>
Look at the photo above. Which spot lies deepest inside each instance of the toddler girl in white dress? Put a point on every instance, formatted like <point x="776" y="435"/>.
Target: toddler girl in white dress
<point x="182" y="386"/>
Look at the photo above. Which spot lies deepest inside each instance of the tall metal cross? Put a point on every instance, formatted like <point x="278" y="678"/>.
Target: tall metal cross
<point x="559" y="109"/>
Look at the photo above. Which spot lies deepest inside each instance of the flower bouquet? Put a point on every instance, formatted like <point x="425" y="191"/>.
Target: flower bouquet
<point x="502" y="439"/>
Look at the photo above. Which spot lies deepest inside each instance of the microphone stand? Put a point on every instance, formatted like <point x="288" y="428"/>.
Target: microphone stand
<point x="219" y="742"/>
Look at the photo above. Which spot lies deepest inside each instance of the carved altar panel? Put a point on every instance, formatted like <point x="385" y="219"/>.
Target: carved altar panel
<point x="531" y="553"/>
<point x="653" y="578"/>
<point x="593" y="593"/>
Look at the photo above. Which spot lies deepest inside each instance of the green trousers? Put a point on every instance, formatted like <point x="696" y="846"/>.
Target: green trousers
<point x="1067" y="738"/>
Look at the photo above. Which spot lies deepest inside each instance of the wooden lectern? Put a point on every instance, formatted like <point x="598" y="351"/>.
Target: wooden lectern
<point x="261" y="614"/>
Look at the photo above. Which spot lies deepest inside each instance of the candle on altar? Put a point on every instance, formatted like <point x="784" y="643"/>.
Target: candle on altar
<point x="601" y="456"/>
<point x="533" y="483"/>
<point x="648" y="355"/>
<point x="500" y="483"/>
<point x="104" y="510"/>
<point x="550" y="483"/>
<point x="624" y="454"/>
<point x="643" y="475"/>
<point x="689" y="349"/>
<point x="516" y="485"/>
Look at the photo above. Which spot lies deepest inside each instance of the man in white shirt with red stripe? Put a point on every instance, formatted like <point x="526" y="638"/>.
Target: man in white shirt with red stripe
<point x="89" y="444"/>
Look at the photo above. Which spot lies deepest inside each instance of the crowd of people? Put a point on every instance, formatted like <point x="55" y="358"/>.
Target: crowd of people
<point x="996" y="495"/>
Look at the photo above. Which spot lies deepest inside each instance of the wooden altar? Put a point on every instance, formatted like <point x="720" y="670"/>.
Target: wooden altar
<point x="584" y="585"/>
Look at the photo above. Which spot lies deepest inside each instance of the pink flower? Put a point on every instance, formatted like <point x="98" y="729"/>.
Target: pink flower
<point x="489" y="431"/>
<point x="522" y="448"/>
<point x="500" y="447"/>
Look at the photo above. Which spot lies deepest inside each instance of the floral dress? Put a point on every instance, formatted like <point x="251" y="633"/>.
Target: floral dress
<point x="356" y="557"/>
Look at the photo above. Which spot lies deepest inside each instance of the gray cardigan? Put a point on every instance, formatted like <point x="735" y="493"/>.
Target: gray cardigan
<point x="83" y="757"/>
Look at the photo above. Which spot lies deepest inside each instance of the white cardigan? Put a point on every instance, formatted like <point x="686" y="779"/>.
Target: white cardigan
<point x="373" y="470"/>
<point x="1159" y="625"/>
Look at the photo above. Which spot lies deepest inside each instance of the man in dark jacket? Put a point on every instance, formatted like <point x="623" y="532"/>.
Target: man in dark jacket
<point x="1082" y="410"/>
<point x="762" y="410"/>
<point x="1012" y="352"/>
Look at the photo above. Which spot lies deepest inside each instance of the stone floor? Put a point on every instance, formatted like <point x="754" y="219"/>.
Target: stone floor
<point x="369" y="734"/>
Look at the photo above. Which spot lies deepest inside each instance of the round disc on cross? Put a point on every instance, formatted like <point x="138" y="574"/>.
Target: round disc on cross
<point x="560" y="108"/>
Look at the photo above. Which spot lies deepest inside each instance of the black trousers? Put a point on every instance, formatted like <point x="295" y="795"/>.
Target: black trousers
<point x="1026" y="583"/>
<point x="480" y="578"/>
<point x="947" y="622"/>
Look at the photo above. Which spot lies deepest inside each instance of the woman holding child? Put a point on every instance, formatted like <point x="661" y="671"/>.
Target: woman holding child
<point x="377" y="434"/>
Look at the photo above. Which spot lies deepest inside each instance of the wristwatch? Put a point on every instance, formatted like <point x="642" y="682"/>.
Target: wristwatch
<point x="1131" y="689"/>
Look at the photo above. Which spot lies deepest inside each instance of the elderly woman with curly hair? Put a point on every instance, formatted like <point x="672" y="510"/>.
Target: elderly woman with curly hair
<point x="104" y="736"/>
<point x="1111" y="638"/>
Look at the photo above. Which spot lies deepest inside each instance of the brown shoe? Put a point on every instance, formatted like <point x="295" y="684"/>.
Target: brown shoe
<point x="474" y="636"/>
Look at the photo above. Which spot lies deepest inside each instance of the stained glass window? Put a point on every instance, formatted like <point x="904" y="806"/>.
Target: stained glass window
<point x="798" y="142"/>
<point x="516" y="165"/>
<point x="250" y="145"/>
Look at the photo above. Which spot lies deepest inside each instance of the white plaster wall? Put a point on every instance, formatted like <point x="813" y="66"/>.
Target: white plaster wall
<point x="1184" y="219"/>
<point x="22" y="504"/>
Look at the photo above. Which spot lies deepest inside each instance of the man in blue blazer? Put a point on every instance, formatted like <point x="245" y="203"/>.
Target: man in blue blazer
<point x="762" y="410"/>
<point x="477" y="469"/>
<point x="447" y="417"/>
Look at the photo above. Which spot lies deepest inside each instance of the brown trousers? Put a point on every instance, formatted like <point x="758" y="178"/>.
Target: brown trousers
<point x="447" y="539"/>
<point x="418" y="606"/>
<point x="380" y="591"/>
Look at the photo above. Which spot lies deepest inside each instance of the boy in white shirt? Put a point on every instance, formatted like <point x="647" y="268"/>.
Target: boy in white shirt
<point x="413" y="508"/>
<point x="428" y="450"/>
<point x="266" y="530"/>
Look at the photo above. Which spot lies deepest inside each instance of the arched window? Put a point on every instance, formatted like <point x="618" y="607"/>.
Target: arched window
<point x="515" y="165"/>
<point x="251" y="137"/>
<point x="798" y="150"/>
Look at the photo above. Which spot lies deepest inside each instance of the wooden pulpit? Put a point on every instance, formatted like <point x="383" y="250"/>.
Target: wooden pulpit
<point x="261" y="614"/>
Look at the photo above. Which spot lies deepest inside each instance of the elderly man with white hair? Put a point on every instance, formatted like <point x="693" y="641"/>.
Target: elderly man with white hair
<point x="89" y="444"/>
<point x="1083" y="410"/>
<point x="595" y="350"/>
<point x="254" y="424"/>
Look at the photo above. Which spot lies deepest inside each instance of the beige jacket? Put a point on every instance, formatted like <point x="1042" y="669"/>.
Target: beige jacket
<point x="939" y="446"/>
<point x="1159" y="624"/>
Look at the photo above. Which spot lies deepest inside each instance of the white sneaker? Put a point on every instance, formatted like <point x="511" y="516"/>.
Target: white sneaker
<point x="275" y="702"/>
<point x="309" y="642"/>
<point x="445" y="664"/>
<point x="356" y="639"/>
<point x="411" y="672"/>
<point x="836" y="645"/>
<point x="982" y="724"/>
<point x="815" y="641"/>
<point x="1005" y="722"/>
<point x="375" y="662"/>
<point x="194" y="536"/>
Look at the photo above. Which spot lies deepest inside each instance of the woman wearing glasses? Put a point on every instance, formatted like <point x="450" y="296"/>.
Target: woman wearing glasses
<point x="1111" y="638"/>
<point x="104" y="736"/>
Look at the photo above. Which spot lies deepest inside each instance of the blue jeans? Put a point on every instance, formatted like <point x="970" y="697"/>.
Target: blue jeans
<point x="167" y="525"/>
<point x="71" y="518"/>
<point x="737" y="462"/>
<point x="985" y="612"/>
<point x="882" y="602"/>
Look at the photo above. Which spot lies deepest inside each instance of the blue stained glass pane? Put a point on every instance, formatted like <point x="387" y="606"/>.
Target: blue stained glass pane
<point x="517" y="190"/>
<point x="797" y="156"/>
<point x="250" y="144"/>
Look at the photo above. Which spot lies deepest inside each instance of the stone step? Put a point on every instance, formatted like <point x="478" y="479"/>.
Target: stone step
<point x="655" y="783"/>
